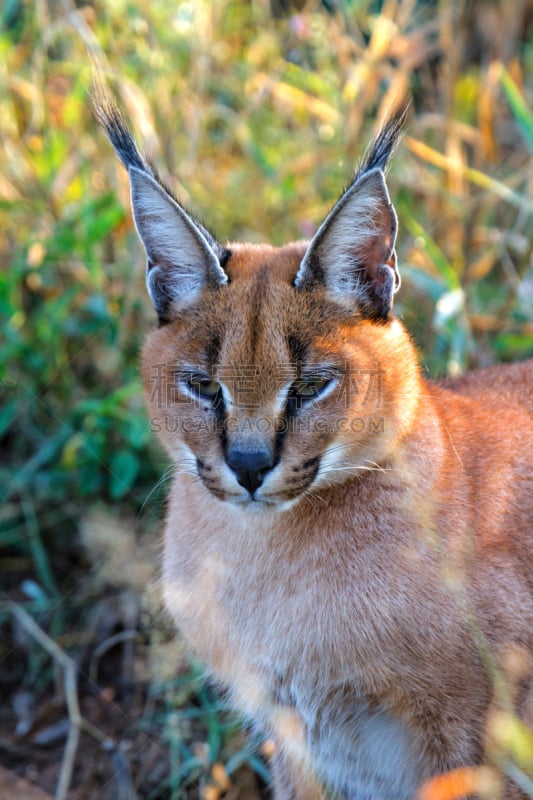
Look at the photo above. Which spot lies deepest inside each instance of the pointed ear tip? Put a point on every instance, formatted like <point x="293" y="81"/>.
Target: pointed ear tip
<point x="133" y="170"/>
<point x="378" y="172"/>
<point x="375" y="175"/>
<point x="137" y="176"/>
<point x="374" y="179"/>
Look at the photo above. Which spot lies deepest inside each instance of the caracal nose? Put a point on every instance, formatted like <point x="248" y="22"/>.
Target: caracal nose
<point x="250" y="466"/>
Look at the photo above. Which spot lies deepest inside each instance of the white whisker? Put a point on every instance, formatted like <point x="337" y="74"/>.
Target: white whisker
<point x="170" y="472"/>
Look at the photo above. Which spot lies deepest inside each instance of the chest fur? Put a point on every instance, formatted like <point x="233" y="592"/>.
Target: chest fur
<point x="294" y="616"/>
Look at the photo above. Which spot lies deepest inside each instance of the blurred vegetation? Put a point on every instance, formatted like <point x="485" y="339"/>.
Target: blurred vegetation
<point x="255" y="113"/>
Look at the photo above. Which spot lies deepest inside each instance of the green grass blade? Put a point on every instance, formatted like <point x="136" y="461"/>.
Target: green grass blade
<point x="522" y="114"/>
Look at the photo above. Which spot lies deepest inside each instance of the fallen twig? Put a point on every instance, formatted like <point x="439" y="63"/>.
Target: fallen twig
<point x="76" y="721"/>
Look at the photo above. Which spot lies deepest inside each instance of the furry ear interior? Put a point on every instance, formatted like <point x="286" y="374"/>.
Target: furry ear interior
<point x="181" y="260"/>
<point x="183" y="257"/>
<point x="352" y="253"/>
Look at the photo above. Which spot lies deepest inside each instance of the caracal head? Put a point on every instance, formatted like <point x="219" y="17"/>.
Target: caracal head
<point x="274" y="372"/>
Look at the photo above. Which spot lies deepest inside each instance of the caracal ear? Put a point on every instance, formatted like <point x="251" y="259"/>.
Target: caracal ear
<point x="182" y="256"/>
<point x="352" y="253"/>
<point x="180" y="259"/>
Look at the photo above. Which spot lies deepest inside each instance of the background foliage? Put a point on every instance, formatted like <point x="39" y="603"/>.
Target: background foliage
<point x="255" y="112"/>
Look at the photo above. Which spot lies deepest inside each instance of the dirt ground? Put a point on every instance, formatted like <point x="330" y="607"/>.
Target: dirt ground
<point x="150" y="727"/>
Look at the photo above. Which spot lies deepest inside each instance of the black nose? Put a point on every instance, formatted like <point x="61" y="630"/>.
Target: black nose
<point x="250" y="466"/>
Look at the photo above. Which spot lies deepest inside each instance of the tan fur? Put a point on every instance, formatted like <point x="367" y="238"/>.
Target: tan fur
<point x="378" y="586"/>
<point x="348" y="546"/>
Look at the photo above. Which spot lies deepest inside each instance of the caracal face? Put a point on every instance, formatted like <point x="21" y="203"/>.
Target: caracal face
<point x="265" y="393"/>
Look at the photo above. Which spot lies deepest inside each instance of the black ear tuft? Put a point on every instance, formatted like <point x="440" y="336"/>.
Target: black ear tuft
<point x="382" y="148"/>
<point x="112" y="121"/>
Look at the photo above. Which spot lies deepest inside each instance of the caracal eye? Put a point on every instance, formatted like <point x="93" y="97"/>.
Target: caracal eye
<point x="307" y="388"/>
<point x="204" y="387"/>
